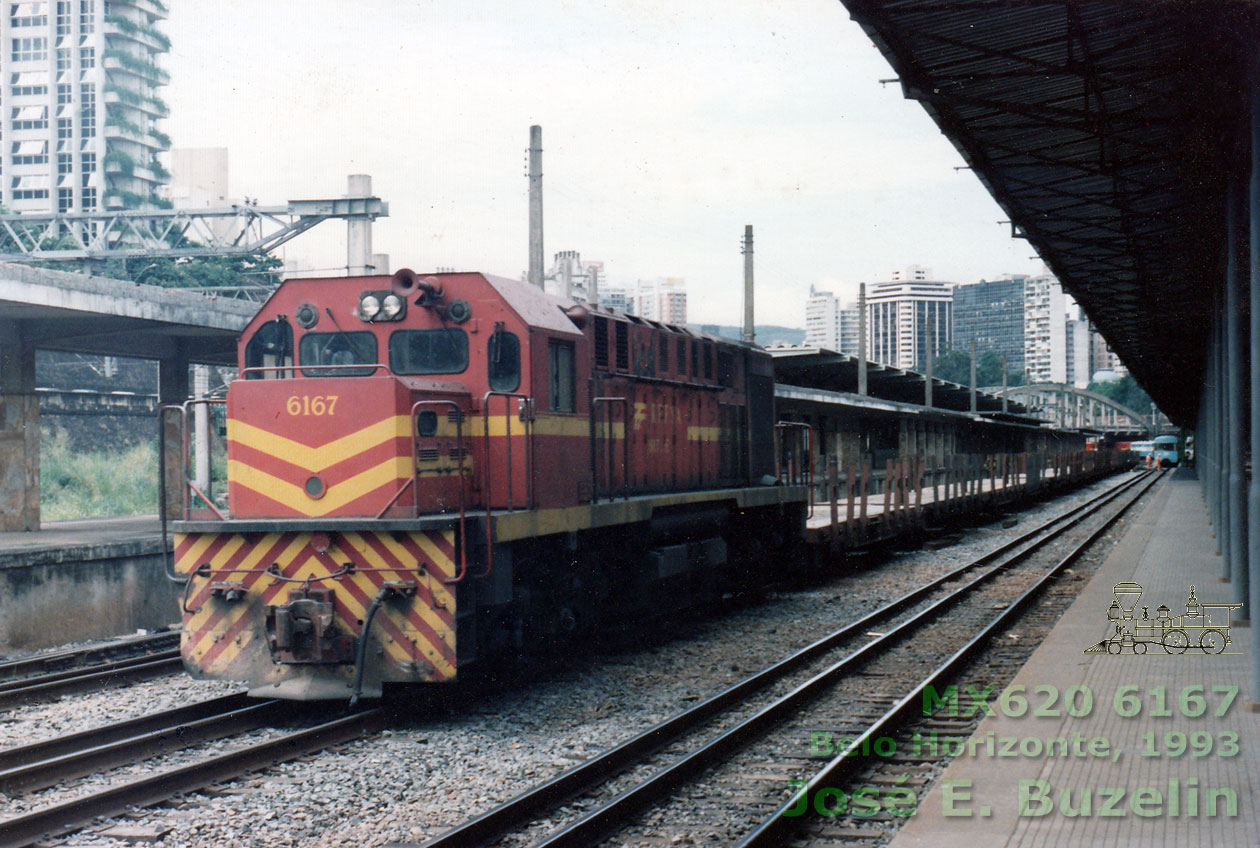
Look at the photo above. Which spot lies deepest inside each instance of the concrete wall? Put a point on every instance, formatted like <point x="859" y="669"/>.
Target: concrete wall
<point x="51" y="596"/>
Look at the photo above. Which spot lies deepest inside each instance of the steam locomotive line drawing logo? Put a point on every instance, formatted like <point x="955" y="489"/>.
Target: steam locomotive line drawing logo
<point x="1202" y="626"/>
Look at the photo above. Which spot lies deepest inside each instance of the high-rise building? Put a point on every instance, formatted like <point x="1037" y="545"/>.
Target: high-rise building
<point x="898" y="314"/>
<point x="829" y="324"/>
<point x="1045" y="330"/>
<point x="992" y="313"/>
<point x="572" y="278"/>
<point x="79" y="87"/>
<point x="616" y="297"/>
<point x="663" y="299"/>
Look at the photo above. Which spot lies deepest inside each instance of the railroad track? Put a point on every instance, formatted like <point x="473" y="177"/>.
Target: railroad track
<point x="84" y="670"/>
<point x="46" y="764"/>
<point x="619" y="784"/>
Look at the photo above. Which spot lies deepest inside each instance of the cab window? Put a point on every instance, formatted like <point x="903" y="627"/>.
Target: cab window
<point x="269" y="349"/>
<point x="342" y="350"/>
<point x="442" y="351"/>
<point x="503" y="361"/>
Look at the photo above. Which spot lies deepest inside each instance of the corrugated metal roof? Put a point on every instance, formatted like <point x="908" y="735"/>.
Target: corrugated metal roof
<point x="1103" y="129"/>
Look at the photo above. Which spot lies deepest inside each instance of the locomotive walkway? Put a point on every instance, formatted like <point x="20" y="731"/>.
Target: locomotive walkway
<point x="1156" y="790"/>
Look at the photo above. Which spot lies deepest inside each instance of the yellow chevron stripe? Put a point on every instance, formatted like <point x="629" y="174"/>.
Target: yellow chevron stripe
<point x="193" y="555"/>
<point x="317" y="458"/>
<point x="338" y="495"/>
<point x="429" y="616"/>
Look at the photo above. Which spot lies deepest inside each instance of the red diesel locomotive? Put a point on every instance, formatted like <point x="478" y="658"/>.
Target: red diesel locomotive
<point x="426" y="472"/>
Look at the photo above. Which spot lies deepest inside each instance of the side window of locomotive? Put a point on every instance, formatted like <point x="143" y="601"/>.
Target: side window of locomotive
<point x="443" y="351"/>
<point x="503" y="361"/>
<point x="560" y="362"/>
<point x="340" y="350"/>
<point x="270" y="348"/>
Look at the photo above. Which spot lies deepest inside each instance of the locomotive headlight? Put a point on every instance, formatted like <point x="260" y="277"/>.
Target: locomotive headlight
<point x="391" y="306"/>
<point x="369" y="307"/>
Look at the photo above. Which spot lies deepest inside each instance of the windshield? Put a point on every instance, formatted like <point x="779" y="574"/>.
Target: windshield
<point x="443" y="351"/>
<point x="338" y="349"/>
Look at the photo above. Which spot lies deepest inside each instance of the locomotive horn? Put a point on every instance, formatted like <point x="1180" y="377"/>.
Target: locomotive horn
<point x="406" y="281"/>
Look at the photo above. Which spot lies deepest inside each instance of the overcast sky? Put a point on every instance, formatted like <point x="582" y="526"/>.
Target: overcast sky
<point x="665" y="131"/>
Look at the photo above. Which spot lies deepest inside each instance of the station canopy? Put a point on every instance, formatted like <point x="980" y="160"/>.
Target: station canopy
<point x="1105" y="130"/>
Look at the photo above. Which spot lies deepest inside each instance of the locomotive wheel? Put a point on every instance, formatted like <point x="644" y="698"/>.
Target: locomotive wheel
<point x="1212" y="641"/>
<point x="1115" y="646"/>
<point x="1139" y="647"/>
<point x="1176" y="641"/>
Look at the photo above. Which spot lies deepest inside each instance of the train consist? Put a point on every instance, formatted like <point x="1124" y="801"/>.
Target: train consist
<point x="428" y="472"/>
<point x="431" y="472"/>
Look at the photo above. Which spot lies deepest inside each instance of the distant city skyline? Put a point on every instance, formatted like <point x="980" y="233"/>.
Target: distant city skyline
<point x="837" y="179"/>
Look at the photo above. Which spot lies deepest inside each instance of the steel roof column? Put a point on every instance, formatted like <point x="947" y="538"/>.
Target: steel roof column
<point x="19" y="431"/>
<point x="173" y="385"/>
<point x="1235" y="424"/>
<point x="1253" y="507"/>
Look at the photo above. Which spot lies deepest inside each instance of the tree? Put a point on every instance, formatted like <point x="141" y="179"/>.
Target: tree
<point x="197" y="272"/>
<point x="1125" y="391"/>
<point x="955" y="366"/>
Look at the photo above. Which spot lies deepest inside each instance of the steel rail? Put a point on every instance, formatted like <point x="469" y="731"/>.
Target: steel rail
<point x="104" y="756"/>
<point x="69" y="816"/>
<point x="775" y="829"/>
<point x="60" y="660"/>
<point x="602" y="820"/>
<point x="495" y="822"/>
<point x="59" y="746"/>
<point x="90" y="678"/>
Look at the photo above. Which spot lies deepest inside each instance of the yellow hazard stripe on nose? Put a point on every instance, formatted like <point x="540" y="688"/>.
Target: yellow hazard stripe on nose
<point x="338" y="495"/>
<point x="317" y="458"/>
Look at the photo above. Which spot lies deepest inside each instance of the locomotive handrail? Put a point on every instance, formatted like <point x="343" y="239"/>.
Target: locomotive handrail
<point x="182" y="409"/>
<point x="610" y="402"/>
<point x="463" y="459"/>
<point x="527" y="417"/>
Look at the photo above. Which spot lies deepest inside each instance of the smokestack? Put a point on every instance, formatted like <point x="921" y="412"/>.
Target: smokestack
<point x="749" y="329"/>
<point x="861" y="338"/>
<point x="535" y="207"/>
<point x="358" y="230"/>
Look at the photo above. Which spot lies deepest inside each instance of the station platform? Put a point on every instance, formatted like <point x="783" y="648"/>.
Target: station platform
<point x="1148" y="777"/>
<point x="81" y="580"/>
<point x="69" y="538"/>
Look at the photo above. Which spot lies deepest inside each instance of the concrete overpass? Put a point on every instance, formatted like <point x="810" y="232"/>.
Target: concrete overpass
<point x="53" y="310"/>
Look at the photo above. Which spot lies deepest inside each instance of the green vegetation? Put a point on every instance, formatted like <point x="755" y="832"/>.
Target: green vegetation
<point x="96" y="485"/>
<point x="1126" y="391"/>
<point x="955" y="366"/>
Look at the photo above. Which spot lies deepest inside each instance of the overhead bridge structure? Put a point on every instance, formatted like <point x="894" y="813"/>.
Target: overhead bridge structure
<point x="1068" y="406"/>
<point x="1122" y="140"/>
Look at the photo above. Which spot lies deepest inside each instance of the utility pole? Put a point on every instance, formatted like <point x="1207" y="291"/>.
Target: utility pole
<point x="927" y="382"/>
<point x="862" y="338"/>
<point x="749" y="329"/>
<point x="535" y="207"/>
<point x="1004" y="382"/>
<point x="973" y="375"/>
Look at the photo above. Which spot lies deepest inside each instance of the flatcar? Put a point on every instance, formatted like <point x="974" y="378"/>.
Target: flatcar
<point x="426" y="473"/>
<point x="1165" y="452"/>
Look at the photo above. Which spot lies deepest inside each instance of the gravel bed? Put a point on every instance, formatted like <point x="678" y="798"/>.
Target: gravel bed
<point x="434" y="771"/>
<point x="73" y="713"/>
